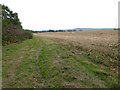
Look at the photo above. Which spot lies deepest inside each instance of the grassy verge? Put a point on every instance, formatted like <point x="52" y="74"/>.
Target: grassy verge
<point x="19" y="65"/>
<point x="44" y="62"/>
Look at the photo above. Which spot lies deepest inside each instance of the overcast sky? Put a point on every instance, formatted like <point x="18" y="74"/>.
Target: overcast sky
<point x="65" y="14"/>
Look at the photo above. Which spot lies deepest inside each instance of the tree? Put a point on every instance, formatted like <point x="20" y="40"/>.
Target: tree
<point x="12" y="31"/>
<point x="50" y="30"/>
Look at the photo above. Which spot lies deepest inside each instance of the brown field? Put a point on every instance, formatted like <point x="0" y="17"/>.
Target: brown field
<point x="103" y="40"/>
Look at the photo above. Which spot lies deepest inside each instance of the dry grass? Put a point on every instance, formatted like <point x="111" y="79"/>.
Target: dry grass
<point x="103" y="40"/>
<point x="105" y="37"/>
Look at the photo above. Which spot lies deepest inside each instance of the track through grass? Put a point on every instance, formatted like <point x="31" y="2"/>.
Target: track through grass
<point x="48" y="63"/>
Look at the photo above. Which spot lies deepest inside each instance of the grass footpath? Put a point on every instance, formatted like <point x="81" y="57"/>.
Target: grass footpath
<point x="48" y="63"/>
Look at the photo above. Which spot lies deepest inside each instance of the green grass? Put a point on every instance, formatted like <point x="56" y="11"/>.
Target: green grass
<point x="48" y="63"/>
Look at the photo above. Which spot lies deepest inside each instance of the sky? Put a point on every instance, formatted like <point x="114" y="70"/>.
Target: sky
<point x="65" y="14"/>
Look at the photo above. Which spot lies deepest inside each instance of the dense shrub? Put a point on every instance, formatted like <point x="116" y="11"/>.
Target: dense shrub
<point x="12" y="31"/>
<point x="28" y="34"/>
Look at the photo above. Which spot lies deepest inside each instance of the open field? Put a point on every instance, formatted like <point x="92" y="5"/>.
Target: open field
<point x="87" y="38"/>
<point x="84" y="59"/>
<point x="102" y="40"/>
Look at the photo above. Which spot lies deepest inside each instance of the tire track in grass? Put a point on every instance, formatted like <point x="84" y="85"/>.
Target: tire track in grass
<point x="37" y="85"/>
<point x="38" y="76"/>
<point x="43" y="81"/>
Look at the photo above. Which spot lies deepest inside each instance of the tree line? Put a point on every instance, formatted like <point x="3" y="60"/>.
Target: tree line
<point x="54" y="31"/>
<point x="12" y="31"/>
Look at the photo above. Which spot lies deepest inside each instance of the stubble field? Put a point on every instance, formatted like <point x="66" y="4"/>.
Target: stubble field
<point x="102" y="40"/>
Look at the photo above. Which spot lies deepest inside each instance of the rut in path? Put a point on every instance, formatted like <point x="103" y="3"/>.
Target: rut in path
<point x="37" y="69"/>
